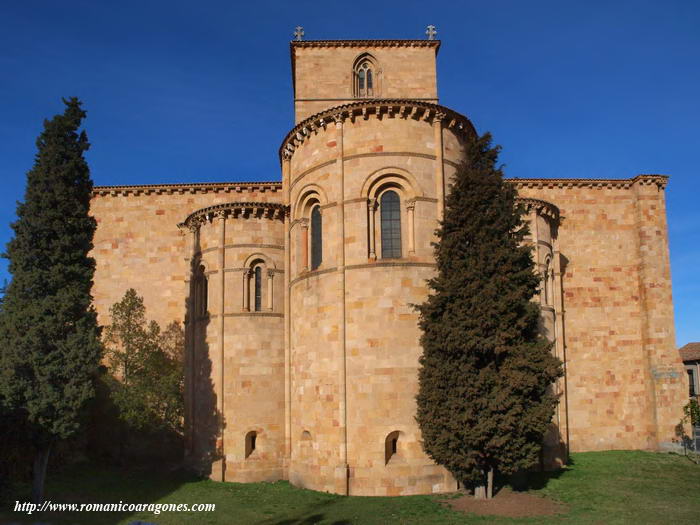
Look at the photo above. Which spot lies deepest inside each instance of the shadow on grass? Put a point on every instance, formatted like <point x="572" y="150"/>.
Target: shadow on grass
<point x="525" y="481"/>
<point x="314" y="515"/>
<point x="87" y="483"/>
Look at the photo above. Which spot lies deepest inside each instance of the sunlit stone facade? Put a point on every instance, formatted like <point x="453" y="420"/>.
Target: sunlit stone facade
<point x="302" y="345"/>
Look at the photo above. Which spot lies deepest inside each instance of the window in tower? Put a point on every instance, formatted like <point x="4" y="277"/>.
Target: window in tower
<point x="316" y="238"/>
<point x="390" y="216"/>
<point x="258" y="288"/>
<point x="365" y="77"/>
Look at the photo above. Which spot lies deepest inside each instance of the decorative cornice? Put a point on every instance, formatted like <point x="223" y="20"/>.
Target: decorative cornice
<point x="544" y="208"/>
<point x="195" y="187"/>
<point x="269" y="210"/>
<point x="365" y="43"/>
<point x="659" y="180"/>
<point x="378" y="108"/>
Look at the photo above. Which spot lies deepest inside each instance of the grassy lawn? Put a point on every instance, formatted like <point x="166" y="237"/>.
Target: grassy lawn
<point x="599" y="487"/>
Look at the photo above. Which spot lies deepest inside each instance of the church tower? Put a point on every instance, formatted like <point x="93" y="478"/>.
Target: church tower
<point x="364" y="173"/>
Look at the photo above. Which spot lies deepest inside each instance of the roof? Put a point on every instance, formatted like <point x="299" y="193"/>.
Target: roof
<point x="690" y="352"/>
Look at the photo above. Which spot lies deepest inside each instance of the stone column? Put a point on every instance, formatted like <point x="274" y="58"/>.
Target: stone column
<point x="270" y="275"/>
<point x="371" y="208"/>
<point x="286" y="173"/>
<point x="190" y="343"/>
<point x="246" y="289"/>
<point x="439" y="165"/>
<point x="305" y="244"/>
<point x="341" y="472"/>
<point x="410" y="211"/>
<point x="219" y="466"/>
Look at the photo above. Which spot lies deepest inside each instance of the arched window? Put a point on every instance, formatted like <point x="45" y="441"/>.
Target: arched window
<point x="258" y="288"/>
<point x="365" y="77"/>
<point x="316" y="238"/>
<point x="250" y="439"/>
<point x="391" y="444"/>
<point x="548" y="283"/>
<point x="201" y="292"/>
<point x="390" y="212"/>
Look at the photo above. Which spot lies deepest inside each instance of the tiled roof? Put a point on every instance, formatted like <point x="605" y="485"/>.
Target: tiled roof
<point x="690" y="352"/>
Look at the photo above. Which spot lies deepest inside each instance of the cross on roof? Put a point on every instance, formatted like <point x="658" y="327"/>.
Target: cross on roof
<point x="298" y="33"/>
<point x="431" y="32"/>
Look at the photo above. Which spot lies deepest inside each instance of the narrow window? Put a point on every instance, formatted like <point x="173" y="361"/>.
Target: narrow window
<point x="316" y="238"/>
<point x="547" y="286"/>
<point x="205" y="295"/>
<point x="369" y="81"/>
<point x="391" y="446"/>
<point x="258" y="288"/>
<point x="250" y="439"/>
<point x="201" y="292"/>
<point x="361" y="80"/>
<point x="390" y="207"/>
<point x="691" y="382"/>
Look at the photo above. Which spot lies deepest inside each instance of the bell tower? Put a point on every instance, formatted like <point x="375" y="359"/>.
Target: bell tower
<point x="328" y="73"/>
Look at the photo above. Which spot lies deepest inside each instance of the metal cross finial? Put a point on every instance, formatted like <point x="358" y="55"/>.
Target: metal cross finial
<point x="298" y="33"/>
<point x="431" y="32"/>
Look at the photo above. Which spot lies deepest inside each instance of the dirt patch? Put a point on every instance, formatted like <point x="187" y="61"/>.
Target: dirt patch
<point x="509" y="504"/>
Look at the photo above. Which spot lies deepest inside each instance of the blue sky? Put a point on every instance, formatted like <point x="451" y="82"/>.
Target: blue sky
<point x="201" y="91"/>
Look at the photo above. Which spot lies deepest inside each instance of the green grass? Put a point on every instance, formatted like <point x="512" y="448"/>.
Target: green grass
<point x="599" y="487"/>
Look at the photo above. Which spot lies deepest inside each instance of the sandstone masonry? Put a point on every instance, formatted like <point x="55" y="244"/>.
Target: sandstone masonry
<point x="302" y="347"/>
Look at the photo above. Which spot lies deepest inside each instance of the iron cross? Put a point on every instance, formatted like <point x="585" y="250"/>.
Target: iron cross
<point x="431" y="32"/>
<point x="298" y="33"/>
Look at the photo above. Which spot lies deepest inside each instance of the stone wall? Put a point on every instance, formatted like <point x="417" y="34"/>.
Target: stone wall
<point x="354" y="340"/>
<point x="323" y="72"/>
<point x="625" y="386"/>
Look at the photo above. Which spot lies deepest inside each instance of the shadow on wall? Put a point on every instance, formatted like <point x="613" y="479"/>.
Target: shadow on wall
<point x="204" y="425"/>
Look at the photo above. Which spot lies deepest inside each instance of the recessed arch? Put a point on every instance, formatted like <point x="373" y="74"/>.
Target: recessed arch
<point x="391" y="177"/>
<point x="309" y="195"/>
<point x="252" y="258"/>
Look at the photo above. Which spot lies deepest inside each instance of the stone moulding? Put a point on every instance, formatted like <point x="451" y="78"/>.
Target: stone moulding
<point x="268" y="210"/>
<point x="659" y="180"/>
<point x="376" y="108"/>
<point x="544" y="208"/>
<point x="196" y="187"/>
<point x="366" y="43"/>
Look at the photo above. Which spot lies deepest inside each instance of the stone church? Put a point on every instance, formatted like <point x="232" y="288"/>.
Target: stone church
<point x="302" y="347"/>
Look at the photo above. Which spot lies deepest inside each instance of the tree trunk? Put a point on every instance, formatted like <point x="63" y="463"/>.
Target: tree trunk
<point x="479" y="492"/>
<point x="41" y="461"/>
<point x="489" y="484"/>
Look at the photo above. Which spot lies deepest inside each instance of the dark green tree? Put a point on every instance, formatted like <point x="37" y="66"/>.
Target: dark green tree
<point x="485" y="397"/>
<point x="147" y="364"/>
<point x="49" y="339"/>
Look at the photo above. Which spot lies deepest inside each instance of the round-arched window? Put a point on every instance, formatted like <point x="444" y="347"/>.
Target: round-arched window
<point x="316" y="238"/>
<point x="390" y="216"/>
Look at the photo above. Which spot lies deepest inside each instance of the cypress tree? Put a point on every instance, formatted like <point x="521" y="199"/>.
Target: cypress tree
<point x="49" y="338"/>
<point x="485" y="397"/>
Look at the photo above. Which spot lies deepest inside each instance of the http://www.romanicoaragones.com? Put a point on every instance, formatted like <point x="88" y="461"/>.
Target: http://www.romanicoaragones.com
<point x="153" y="508"/>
